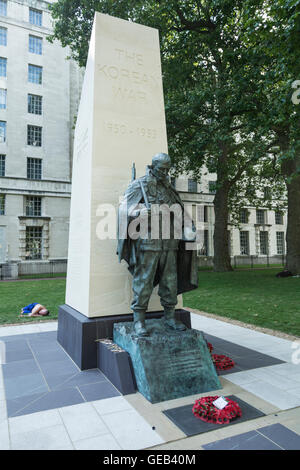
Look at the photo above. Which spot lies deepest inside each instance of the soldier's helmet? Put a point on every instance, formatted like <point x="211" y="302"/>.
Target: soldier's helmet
<point x="161" y="160"/>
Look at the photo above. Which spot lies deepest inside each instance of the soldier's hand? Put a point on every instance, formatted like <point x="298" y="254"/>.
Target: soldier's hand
<point x="143" y="212"/>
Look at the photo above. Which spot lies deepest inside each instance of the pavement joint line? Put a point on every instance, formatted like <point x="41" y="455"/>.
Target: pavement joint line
<point x="27" y="341"/>
<point x="95" y="436"/>
<point x="79" y="370"/>
<point x="28" y="404"/>
<point x="64" y="425"/>
<point x="64" y="382"/>
<point x="70" y="378"/>
<point x="77" y="388"/>
<point x="9" y="434"/>
<point x="111" y="412"/>
<point x="269" y="439"/>
<point x="108" y="430"/>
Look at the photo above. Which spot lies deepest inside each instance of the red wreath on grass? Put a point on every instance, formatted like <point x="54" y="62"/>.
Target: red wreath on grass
<point x="206" y="411"/>
<point x="221" y="362"/>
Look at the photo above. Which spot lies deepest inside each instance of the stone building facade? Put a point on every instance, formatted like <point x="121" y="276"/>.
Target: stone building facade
<point x="39" y="96"/>
<point x="260" y="235"/>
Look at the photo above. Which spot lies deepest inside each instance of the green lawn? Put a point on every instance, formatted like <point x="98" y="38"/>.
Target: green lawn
<point x="255" y="296"/>
<point x="16" y="294"/>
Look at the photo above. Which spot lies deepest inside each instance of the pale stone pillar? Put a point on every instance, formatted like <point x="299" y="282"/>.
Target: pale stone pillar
<point x="121" y="120"/>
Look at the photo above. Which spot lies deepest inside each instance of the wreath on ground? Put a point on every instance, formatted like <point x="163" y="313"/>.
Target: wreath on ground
<point x="220" y="361"/>
<point x="205" y="410"/>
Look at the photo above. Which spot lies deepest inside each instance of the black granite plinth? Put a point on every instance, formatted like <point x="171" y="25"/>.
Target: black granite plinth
<point x="115" y="363"/>
<point x="77" y="334"/>
<point x="168" y="364"/>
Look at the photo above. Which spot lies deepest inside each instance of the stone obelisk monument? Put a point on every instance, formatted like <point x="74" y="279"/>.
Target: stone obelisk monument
<point x="121" y="121"/>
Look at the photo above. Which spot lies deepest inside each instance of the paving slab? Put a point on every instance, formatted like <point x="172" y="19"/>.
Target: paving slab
<point x="82" y="421"/>
<point x="97" y="391"/>
<point x="4" y="435"/>
<point x="282" y="436"/>
<point x="52" y="400"/>
<point x="131" y="430"/>
<point x="111" y="405"/>
<point x="51" y="438"/>
<point x="103" y="442"/>
<point x="34" y="421"/>
<point x="248" y="441"/>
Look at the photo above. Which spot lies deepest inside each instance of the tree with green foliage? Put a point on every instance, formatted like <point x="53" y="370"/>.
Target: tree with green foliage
<point x="277" y="36"/>
<point x="217" y="91"/>
<point x="286" y="24"/>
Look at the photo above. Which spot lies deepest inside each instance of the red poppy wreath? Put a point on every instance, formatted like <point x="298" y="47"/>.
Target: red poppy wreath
<point x="205" y="410"/>
<point x="221" y="362"/>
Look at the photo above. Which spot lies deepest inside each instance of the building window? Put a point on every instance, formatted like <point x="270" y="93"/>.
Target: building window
<point x="202" y="213"/>
<point x="2" y="131"/>
<point x="34" y="242"/>
<point x="278" y="218"/>
<point x="35" y="17"/>
<point x="3" y="7"/>
<point x="35" y="104"/>
<point x="34" y="168"/>
<point x="260" y="216"/>
<point x="3" y="36"/>
<point x="212" y="187"/>
<point x="35" y="74"/>
<point x="192" y="186"/>
<point x="244" y="243"/>
<point x="35" y="44"/>
<point x="33" y="206"/>
<point x="2" y="165"/>
<point x="34" y="135"/>
<point x="203" y="247"/>
<point x="3" y="94"/>
<point x="3" y="64"/>
<point x="244" y="215"/>
<point x="264" y="245"/>
<point x="280" y="242"/>
<point x="2" y="204"/>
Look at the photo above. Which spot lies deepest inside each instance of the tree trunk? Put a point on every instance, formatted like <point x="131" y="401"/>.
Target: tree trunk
<point x="289" y="168"/>
<point x="293" y="220"/>
<point x="221" y="247"/>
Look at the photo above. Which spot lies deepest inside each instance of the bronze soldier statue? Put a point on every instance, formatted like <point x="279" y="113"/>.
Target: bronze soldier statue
<point x="159" y="260"/>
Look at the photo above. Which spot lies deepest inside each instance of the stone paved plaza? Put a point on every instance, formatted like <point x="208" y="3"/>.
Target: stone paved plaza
<point x="46" y="402"/>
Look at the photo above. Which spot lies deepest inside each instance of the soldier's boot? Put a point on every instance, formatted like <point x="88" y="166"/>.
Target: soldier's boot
<point x="171" y="321"/>
<point x="139" y="324"/>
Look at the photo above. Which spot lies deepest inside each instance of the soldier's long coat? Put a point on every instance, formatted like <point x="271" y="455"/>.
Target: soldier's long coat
<point x="187" y="271"/>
